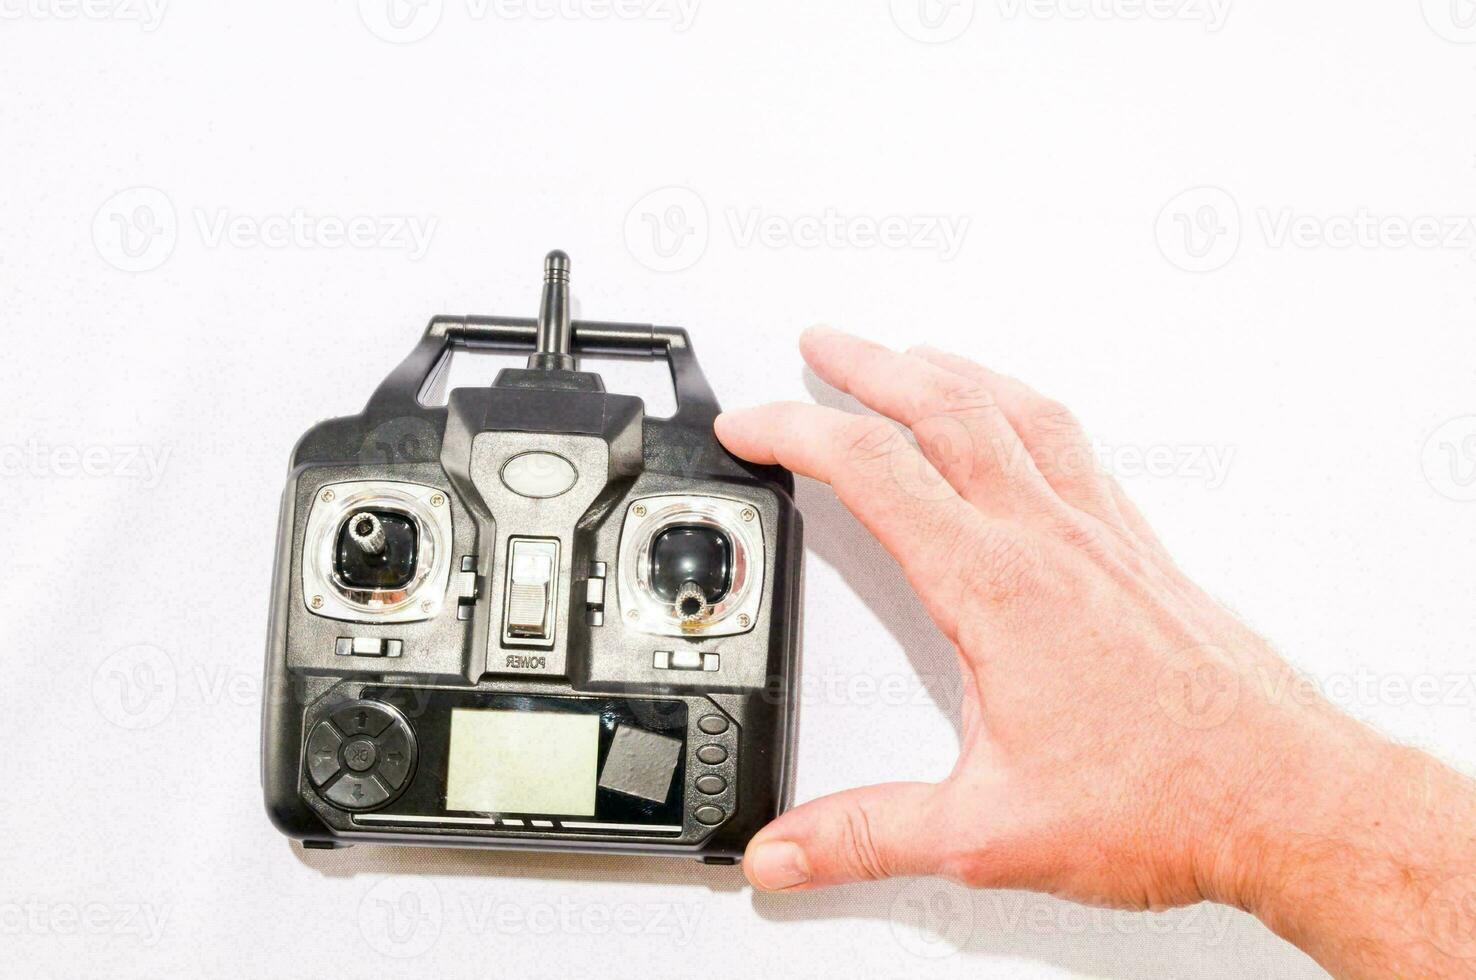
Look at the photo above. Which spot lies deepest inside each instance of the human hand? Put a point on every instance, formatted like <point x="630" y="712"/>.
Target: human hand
<point x="1125" y="740"/>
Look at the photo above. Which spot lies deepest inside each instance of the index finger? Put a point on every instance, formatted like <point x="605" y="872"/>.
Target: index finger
<point x="880" y="477"/>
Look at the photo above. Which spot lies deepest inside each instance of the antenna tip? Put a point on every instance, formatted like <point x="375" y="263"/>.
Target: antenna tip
<point x="556" y="266"/>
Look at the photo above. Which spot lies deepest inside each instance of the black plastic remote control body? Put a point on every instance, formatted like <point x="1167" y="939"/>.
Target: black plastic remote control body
<point x="534" y="616"/>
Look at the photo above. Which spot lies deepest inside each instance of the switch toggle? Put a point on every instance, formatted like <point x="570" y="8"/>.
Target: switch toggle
<point x="532" y="585"/>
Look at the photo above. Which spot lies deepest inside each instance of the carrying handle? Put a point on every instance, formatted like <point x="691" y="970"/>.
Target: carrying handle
<point x="400" y="392"/>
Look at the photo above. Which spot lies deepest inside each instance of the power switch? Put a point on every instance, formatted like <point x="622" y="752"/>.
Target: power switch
<point x="532" y="585"/>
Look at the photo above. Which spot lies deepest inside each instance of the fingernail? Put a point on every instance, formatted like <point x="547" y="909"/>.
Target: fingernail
<point x="778" y="865"/>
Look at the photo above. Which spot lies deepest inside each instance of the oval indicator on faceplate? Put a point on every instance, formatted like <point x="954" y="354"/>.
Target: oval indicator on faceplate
<point x="539" y="474"/>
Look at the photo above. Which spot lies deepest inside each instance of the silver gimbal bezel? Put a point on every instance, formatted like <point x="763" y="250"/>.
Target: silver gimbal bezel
<point x="647" y="517"/>
<point x="326" y="595"/>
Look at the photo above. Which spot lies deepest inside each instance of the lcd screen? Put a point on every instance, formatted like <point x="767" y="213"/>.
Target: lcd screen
<point x="523" y="762"/>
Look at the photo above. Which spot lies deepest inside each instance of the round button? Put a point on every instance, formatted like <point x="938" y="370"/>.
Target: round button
<point x="712" y="754"/>
<point x="711" y="816"/>
<point x="713" y="724"/>
<point x="360" y="755"/>
<point x="539" y="475"/>
<point x="711" y="785"/>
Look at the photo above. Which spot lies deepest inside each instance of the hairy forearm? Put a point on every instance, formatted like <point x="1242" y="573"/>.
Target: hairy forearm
<point x="1362" y="853"/>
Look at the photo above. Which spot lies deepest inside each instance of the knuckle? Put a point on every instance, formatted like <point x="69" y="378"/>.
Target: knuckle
<point x="963" y="396"/>
<point x="1083" y="535"/>
<point x="1053" y="418"/>
<point x="867" y="440"/>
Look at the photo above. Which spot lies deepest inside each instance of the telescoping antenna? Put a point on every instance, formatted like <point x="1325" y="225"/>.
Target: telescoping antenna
<point x="555" y="335"/>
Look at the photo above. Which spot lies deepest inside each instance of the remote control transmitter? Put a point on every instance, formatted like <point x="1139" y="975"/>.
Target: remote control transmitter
<point x="530" y="615"/>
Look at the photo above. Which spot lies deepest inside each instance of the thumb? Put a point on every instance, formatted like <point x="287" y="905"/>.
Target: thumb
<point x="859" y="835"/>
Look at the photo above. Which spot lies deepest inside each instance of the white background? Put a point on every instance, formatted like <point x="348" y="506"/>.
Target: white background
<point x="1123" y="181"/>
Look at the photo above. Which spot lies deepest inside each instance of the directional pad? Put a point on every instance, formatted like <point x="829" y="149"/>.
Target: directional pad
<point x="361" y="755"/>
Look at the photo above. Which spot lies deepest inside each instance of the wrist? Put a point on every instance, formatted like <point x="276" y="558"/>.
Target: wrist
<point x="1298" y="811"/>
<point x="1341" y="843"/>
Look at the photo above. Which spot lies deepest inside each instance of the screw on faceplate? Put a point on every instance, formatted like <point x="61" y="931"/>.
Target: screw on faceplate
<point x="327" y="495"/>
<point x="427" y="606"/>
<point x="437" y="500"/>
<point x="743" y="620"/>
<point x="639" y="510"/>
<point x="747" y="514"/>
<point x="633" y="614"/>
<point x="317" y="602"/>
